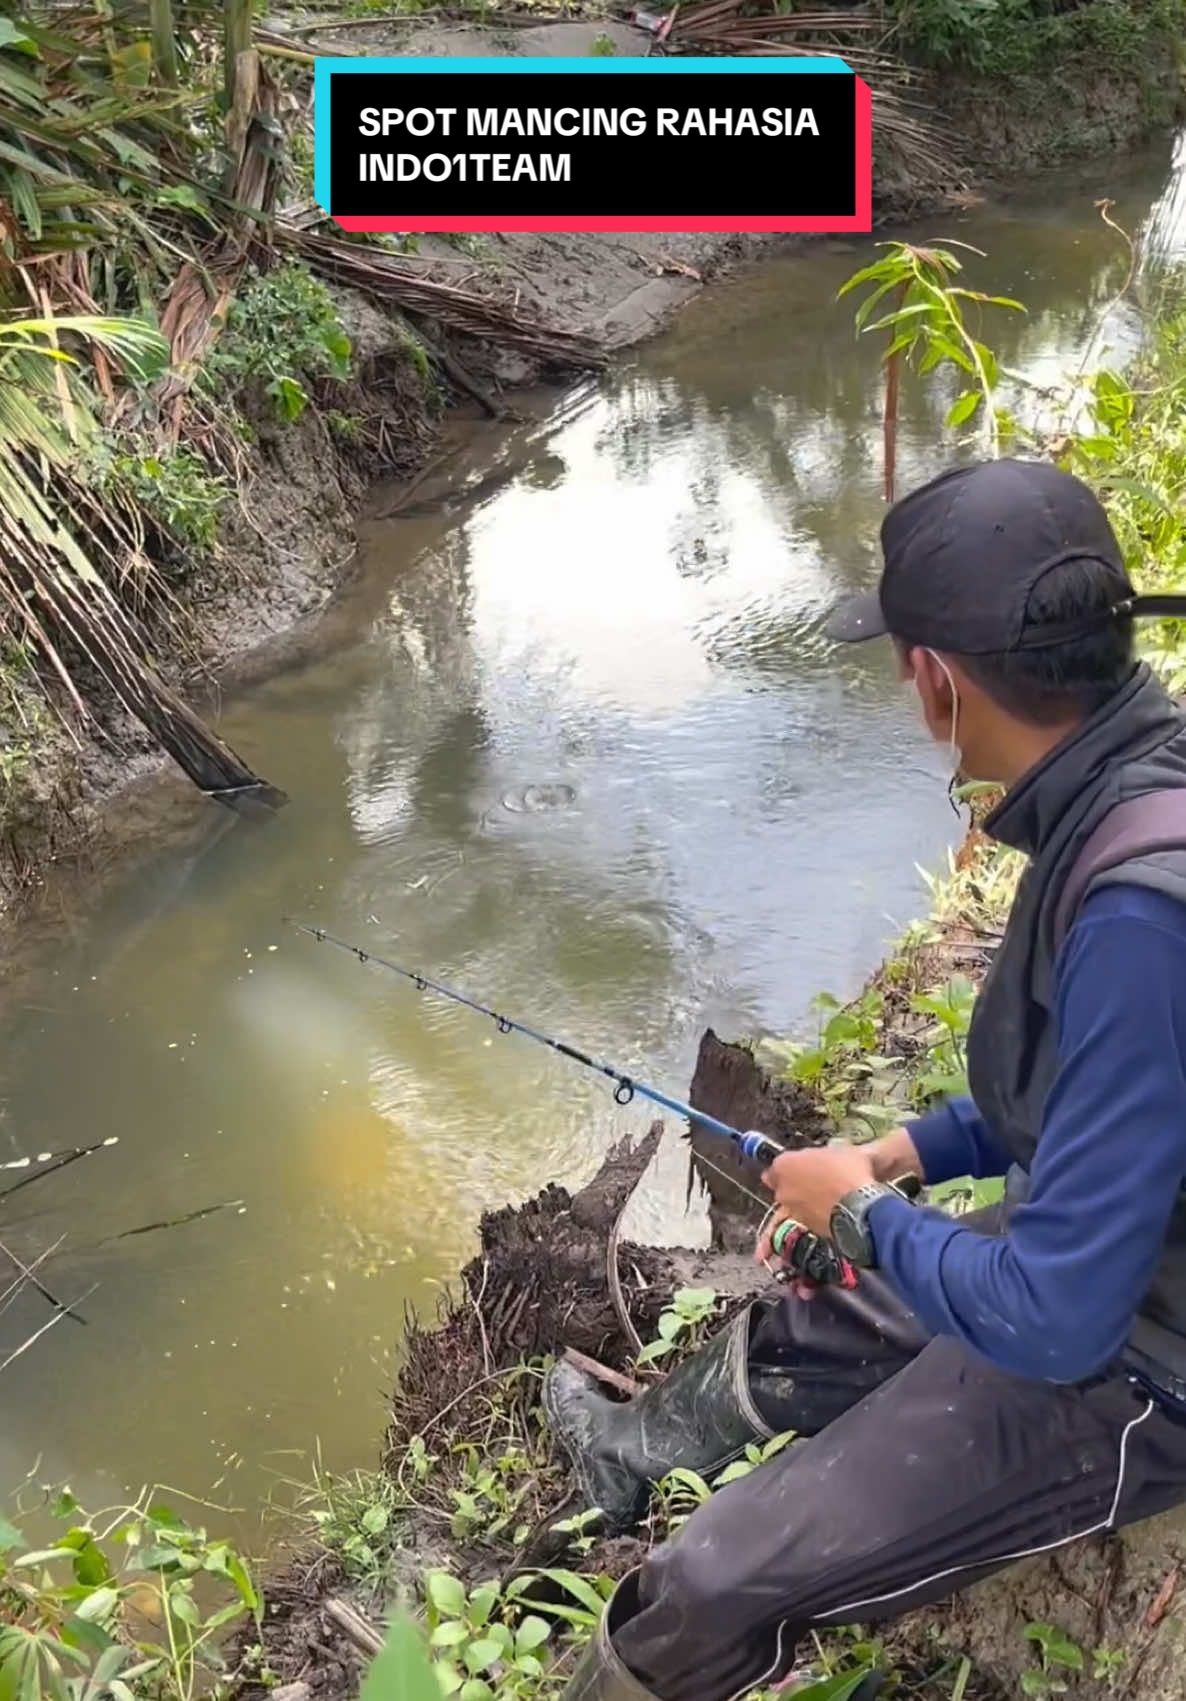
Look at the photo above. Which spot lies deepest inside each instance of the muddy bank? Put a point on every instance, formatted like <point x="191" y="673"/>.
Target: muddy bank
<point x="542" y="1279"/>
<point x="550" y="1275"/>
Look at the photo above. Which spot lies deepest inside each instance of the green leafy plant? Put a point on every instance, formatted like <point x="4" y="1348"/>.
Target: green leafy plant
<point x="354" y="1516"/>
<point x="485" y="1644"/>
<point x="175" y="488"/>
<point x="494" y="1489"/>
<point x="924" y="314"/>
<point x="75" y="1611"/>
<point x="401" y="1668"/>
<point x="678" y="1494"/>
<point x="944" y="1072"/>
<point x="832" y="1686"/>
<point x="682" y="1324"/>
<point x="344" y="427"/>
<point x="282" y="330"/>
<point x="944" y="31"/>
<point x="582" y="1528"/>
<point x="1106" y="1662"/>
<point x="585" y="1597"/>
<point x="844" y="1063"/>
<point x="1057" y="1655"/>
<point x="1023" y="39"/>
<point x="756" y="1453"/>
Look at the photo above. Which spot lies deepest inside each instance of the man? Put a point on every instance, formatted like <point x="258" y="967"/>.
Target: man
<point x="1000" y="1385"/>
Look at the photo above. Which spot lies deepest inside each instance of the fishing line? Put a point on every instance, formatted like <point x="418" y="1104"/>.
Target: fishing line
<point x="755" y="1146"/>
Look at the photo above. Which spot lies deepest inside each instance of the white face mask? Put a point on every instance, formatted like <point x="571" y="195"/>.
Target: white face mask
<point x="952" y="742"/>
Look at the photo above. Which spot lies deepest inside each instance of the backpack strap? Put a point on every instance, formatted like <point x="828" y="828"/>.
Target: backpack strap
<point x="1141" y="826"/>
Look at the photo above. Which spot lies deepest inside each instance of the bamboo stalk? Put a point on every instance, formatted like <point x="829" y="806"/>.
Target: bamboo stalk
<point x="237" y="22"/>
<point x="164" y="40"/>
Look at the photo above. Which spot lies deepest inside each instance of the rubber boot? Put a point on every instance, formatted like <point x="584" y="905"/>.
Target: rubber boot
<point x="599" y="1674"/>
<point x="699" y="1417"/>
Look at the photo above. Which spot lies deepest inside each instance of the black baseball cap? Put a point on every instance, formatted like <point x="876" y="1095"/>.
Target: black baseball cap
<point x="964" y="554"/>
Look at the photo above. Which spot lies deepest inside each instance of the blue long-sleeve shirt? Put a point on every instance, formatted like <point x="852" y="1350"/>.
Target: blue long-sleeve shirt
<point x="1056" y="1296"/>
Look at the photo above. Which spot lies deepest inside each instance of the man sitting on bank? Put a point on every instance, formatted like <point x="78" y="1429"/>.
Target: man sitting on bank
<point x="998" y="1385"/>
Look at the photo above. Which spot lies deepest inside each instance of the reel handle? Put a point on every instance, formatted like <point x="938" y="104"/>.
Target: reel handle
<point x="812" y="1257"/>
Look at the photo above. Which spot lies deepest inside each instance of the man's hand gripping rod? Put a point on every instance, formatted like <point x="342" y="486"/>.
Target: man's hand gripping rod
<point x="802" y="1256"/>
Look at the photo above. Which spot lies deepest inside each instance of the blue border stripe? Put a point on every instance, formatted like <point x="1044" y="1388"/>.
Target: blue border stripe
<point x="324" y="69"/>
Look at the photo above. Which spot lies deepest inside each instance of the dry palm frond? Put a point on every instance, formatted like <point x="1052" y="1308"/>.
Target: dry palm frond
<point x="748" y="28"/>
<point x="80" y="154"/>
<point x="197" y="303"/>
<point x="462" y="310"/>
<point x="56" y="597"/>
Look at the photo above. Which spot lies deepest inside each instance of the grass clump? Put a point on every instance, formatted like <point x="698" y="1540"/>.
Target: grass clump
<point x="353" y="1515"/>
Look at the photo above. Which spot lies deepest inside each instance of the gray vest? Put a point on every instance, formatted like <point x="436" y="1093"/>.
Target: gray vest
<point x="1134" y="745"/>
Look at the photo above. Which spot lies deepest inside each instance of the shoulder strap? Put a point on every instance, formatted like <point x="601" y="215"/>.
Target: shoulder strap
<point x="1141" y="826"/>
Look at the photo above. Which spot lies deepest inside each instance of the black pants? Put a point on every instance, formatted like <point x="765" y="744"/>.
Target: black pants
<point x="926" y="1469"/>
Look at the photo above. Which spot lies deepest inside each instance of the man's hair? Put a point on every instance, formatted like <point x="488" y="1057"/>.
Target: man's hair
<point x="1064" y="681"/>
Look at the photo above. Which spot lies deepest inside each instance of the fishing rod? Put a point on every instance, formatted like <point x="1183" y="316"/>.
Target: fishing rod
<point x="802" y="1253"/>
<point x="758" y="1146"/>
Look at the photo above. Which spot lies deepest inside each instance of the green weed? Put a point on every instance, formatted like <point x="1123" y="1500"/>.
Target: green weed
<point x="843" y="1064"/>
<point x="677" y="1495"/>
<point x="402" y="1667"/>
<point x="1003" y="39"/>
<point x="944" y="1071"/>
<point x="1106" y="1662"/>
<point x="1057" y="1656"/>
<point x="282" y="331"/>
<point x="492" y="1492"/>
<point x="354" y="1516"/>
<point x="175" y="489"/>
<point x="481" y="1653"/>
<point x="683" y="1324"/>
<point x="344" y="427"/>
<point x="132" y="1601"/>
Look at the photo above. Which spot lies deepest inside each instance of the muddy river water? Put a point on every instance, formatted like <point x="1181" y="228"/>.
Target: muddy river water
<point x="579" y="752"/>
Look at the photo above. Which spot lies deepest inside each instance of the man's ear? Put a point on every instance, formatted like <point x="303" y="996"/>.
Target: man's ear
<point x="934" y="690"/>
